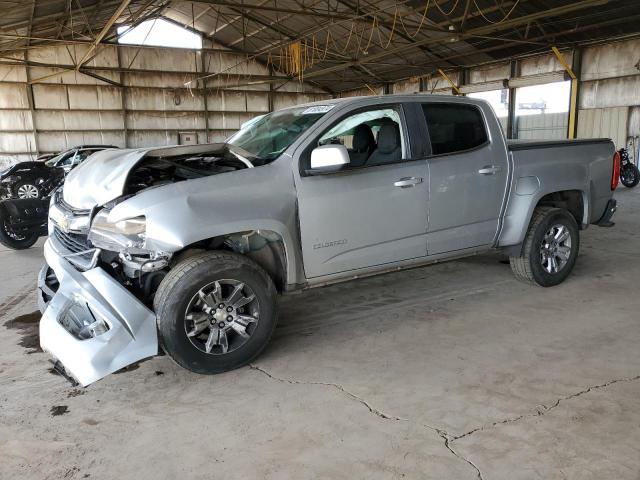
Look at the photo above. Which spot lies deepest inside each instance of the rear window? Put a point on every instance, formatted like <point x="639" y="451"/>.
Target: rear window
<point x="454" y="128"/>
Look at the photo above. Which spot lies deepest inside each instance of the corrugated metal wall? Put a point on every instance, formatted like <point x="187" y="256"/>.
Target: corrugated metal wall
<point x="604" y="122"/>
<point x="71" y="108"/>
<point x="548" y="126"/>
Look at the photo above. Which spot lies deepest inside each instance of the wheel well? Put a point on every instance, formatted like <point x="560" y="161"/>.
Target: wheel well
<point x="265" y="247"/>
<point x="570" y="200"/>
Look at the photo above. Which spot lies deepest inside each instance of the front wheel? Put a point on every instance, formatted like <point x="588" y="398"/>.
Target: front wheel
<point x="215" y="312"/>
<point x="550" y="248"/>
<point x="629" y="175"/>
<point x="13" y="240"/>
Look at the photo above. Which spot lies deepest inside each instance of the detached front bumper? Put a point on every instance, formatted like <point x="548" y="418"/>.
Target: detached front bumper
<point x="91" y="323"/>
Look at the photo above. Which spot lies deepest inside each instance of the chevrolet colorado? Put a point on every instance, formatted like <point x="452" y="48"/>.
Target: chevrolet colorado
<point x="187" y="248"/>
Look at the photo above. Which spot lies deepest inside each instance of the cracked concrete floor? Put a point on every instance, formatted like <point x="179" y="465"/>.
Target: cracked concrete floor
<point x="451" y="371"/>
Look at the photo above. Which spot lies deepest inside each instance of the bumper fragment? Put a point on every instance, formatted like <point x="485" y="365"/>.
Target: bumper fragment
<point x="91" y="324"/>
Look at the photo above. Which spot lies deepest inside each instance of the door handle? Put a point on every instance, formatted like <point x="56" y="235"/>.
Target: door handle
<point x="489" y="170"/>
<point x="407" y="182"/>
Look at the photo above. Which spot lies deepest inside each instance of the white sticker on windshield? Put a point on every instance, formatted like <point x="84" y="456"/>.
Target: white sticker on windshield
<point x="318" y="109"/>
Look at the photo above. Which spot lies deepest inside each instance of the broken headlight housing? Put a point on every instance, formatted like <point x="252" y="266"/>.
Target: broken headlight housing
<point x="128" y="234"/>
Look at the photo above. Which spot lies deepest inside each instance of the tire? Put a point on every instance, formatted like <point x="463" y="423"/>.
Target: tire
<point x="531" y="266"/>
<point x="12" y="240"/>
<point x="630" y="175"/>
<point x="27" y="190"/>
<point x="179" y="290"/>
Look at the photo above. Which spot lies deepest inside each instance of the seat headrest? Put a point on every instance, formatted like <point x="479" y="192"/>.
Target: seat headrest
<point x="388" y="138"/>
<point x="363" y="138"/>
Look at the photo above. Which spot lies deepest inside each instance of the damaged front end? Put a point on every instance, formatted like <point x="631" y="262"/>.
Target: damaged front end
<point x="123" y="220"/>
<point x="94" y="293"/>
<point x="90" y="323"/>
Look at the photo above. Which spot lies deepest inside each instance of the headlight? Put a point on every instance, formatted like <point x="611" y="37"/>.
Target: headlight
<point x="124" y="234"/>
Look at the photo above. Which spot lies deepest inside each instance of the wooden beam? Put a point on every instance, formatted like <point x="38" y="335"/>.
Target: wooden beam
<point x="103" y="32"/>
<point x="451" y="82"/>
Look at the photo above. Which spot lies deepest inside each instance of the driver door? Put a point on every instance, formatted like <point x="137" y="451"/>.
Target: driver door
<point x="371" y="215"/>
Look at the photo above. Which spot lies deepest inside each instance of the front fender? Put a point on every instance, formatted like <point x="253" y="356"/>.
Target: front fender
<point x="187" y="212"/>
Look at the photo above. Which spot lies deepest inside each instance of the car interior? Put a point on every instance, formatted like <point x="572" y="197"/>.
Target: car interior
<point x="372" y="138"/>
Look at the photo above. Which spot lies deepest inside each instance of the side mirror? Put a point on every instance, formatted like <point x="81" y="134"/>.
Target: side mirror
<point x="328" y="158"/>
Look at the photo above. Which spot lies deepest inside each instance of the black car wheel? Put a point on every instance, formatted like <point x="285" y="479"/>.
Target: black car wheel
<point x="215" y="311"/>
<point x="550" y="248"/>
<point x="14" y="240"/>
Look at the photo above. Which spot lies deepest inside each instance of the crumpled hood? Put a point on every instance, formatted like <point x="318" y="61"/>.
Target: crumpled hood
<point x="102" y="177"/>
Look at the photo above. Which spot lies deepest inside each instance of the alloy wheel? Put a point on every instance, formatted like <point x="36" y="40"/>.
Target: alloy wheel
<point x="555" y="249"/>
<point x="27" y="191"/>
<point x="221" y="316"/>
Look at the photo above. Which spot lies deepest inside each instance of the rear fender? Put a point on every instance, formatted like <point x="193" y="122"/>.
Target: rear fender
<point x="520" y="211"/>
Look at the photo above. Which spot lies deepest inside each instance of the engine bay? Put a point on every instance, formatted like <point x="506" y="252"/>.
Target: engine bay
<point x="158" y="171"/>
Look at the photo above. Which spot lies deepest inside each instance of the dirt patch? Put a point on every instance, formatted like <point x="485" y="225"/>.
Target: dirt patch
<point x="89" y="421"/>
<point x="15" y="300"/>
<point x="27" y="326"/>
<point x="57" y="410"/>
<point x="76" y="392"/>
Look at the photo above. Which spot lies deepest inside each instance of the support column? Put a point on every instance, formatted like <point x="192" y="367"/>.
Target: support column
<point x="573" y="102"/>
<point x="512" y="128"/>
<point x="270" y="95"/>
<point x="205" y="93"/>
<point x="31" y="102"/>
<point x="123" y="99"/>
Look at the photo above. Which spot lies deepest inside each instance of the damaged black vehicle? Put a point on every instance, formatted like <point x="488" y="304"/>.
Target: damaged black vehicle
<point x="25" y="189"/>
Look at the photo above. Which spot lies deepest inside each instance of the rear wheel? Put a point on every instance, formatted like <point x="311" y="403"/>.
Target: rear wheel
<point x="550" y="248"/>
<point x="629" y="175"/>
<point x="215" y="311"/>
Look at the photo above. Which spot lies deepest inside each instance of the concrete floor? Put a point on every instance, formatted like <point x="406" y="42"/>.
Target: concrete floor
<point x="452" y="371"/>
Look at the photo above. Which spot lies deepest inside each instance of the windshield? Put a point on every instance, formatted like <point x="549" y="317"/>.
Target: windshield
<point x="52" y="161"/>
<point x="268" y="136"/>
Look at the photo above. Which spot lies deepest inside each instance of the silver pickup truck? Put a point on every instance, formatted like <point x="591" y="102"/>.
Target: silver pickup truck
<point x="187" y="248"/>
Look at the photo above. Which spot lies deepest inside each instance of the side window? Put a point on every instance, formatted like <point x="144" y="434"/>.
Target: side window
<point x="454" y="128"/>
<point x="372" y="137"/>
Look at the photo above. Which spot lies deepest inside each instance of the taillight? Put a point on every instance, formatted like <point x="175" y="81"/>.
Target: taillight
<point x="615" y="174"/>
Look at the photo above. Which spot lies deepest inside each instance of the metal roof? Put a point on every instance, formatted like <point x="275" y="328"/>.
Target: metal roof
<point x="338" y="44"/>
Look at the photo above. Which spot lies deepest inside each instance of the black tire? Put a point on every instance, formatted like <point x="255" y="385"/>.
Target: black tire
<point x="528" y="266"/>
<point x="27" y="184"/>
<point x="183" y="282"/>
<point x="12" y="240"/>
<point x="630" y="175"/>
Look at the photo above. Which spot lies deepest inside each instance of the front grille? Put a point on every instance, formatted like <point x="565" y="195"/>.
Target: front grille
<point x="75" y="211"/>
<point x="73" y="242"/>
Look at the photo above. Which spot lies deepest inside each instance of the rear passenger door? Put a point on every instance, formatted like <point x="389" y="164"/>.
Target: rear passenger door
<point x="468" y="175"/>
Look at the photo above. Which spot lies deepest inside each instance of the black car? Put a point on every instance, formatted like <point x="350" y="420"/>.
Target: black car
<point x="37" y="179"/>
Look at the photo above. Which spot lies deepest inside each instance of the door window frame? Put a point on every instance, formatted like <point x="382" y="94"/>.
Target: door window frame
<point x="399" y="107"/>
<point x="457" y="152"/>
